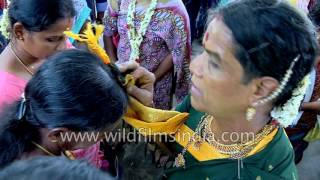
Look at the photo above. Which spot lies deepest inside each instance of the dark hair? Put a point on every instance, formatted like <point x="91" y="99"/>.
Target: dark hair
<point x="53" y="168"/>
<point x="268" y="36"/>
<point x="72" y="89"/>
<point x="38" y="15"/>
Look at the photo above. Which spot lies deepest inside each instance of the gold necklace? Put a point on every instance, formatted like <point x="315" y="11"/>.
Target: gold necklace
<point x="237" y="150"/>
<point x="20" y="60"/>
<point x="68" y="154"/>
<point x="196" y="139"/>
<point x="43" y="149"/>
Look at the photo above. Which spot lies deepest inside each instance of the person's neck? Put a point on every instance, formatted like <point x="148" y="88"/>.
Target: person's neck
<point x="35" y="152"/>
<point x="39" y="152"/>
<point x="20" y="62"/>
<point x="23" y="55"/>
<point x="10" y="64"/>
<point x="224" y="128"/>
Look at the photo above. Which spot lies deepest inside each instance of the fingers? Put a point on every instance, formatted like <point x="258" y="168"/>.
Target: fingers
<point x="138" y="73"/>
<point x="144" y="96"/>
<point x="311" y="106"/>
<point x="144" y="75"/>
<point x="143" y="90"/>
<point x="129" y="65"/>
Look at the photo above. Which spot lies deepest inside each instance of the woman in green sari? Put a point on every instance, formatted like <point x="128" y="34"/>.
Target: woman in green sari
<point x="257" y="55"/>
<point x="250" y="80"/>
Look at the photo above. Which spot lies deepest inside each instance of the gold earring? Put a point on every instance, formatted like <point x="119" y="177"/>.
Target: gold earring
<point x="251" y="112"/>
<point x="54" y="140"/>
<point x="69" y="155"/>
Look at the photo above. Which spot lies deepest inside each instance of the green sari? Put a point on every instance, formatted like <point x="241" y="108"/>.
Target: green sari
<point x="275" y="161"/>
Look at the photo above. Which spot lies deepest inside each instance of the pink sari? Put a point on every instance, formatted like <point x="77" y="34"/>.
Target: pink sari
<point x="11" y="88"/>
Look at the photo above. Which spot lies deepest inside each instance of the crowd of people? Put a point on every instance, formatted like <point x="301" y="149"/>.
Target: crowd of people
<point x="71" y="102"/>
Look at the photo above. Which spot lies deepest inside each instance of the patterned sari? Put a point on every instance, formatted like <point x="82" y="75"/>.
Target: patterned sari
<point x="168" y="32"/>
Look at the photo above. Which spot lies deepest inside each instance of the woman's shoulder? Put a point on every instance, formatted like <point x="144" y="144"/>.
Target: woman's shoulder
<point x="11" y="87"/>
<point x="280" y="155"/>
<point x="280" y="144"/>
<point x="7" y="78"/>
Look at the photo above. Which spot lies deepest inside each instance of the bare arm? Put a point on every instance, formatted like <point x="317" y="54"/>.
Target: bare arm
<point x="165" y="66"/>
<point x="110" y="48"/>
<point x="311" y="106"/>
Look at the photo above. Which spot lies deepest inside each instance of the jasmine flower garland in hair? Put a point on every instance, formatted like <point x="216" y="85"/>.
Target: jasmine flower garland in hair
<point x="286" y="113"/>
<point x="136" y="36"/>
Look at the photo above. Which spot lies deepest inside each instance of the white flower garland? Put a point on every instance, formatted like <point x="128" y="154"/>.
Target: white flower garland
<point x="286" y="114"/>
<point x="5" y="23"/>
<point x="136" y="36"/>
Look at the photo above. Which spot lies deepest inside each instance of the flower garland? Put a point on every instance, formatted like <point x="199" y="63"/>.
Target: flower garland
<point x="136" y="36"/>
<point x="5" y="22"/>
<point x="288" y="112"/>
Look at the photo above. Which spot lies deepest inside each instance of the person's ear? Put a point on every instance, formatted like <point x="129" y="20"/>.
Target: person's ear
<point x="19" y="32"/>
<point x="61" y="137"/>
<point x="262" y="88"/>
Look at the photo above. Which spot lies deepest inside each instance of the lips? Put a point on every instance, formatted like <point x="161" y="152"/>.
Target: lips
<point x="195" y="90"/>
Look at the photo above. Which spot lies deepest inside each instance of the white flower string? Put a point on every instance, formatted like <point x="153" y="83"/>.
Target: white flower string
<point x="286" y="114"/>
<point x="136" y="36"/>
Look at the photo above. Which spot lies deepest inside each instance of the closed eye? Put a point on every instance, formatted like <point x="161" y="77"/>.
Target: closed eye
<point x="55" y="39"/>
<point x="213" y="64"/>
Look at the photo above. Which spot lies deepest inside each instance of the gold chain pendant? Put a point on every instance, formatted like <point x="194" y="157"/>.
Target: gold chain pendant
<point x="180" y="161"/>
<point x="197" y="142"/>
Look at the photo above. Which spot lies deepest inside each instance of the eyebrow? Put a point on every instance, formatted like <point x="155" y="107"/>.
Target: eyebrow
<point x="213" y="54"/>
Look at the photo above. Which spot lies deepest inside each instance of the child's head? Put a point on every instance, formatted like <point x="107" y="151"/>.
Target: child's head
<point x="73" y="92"/>
<point x="53" y="168"/>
